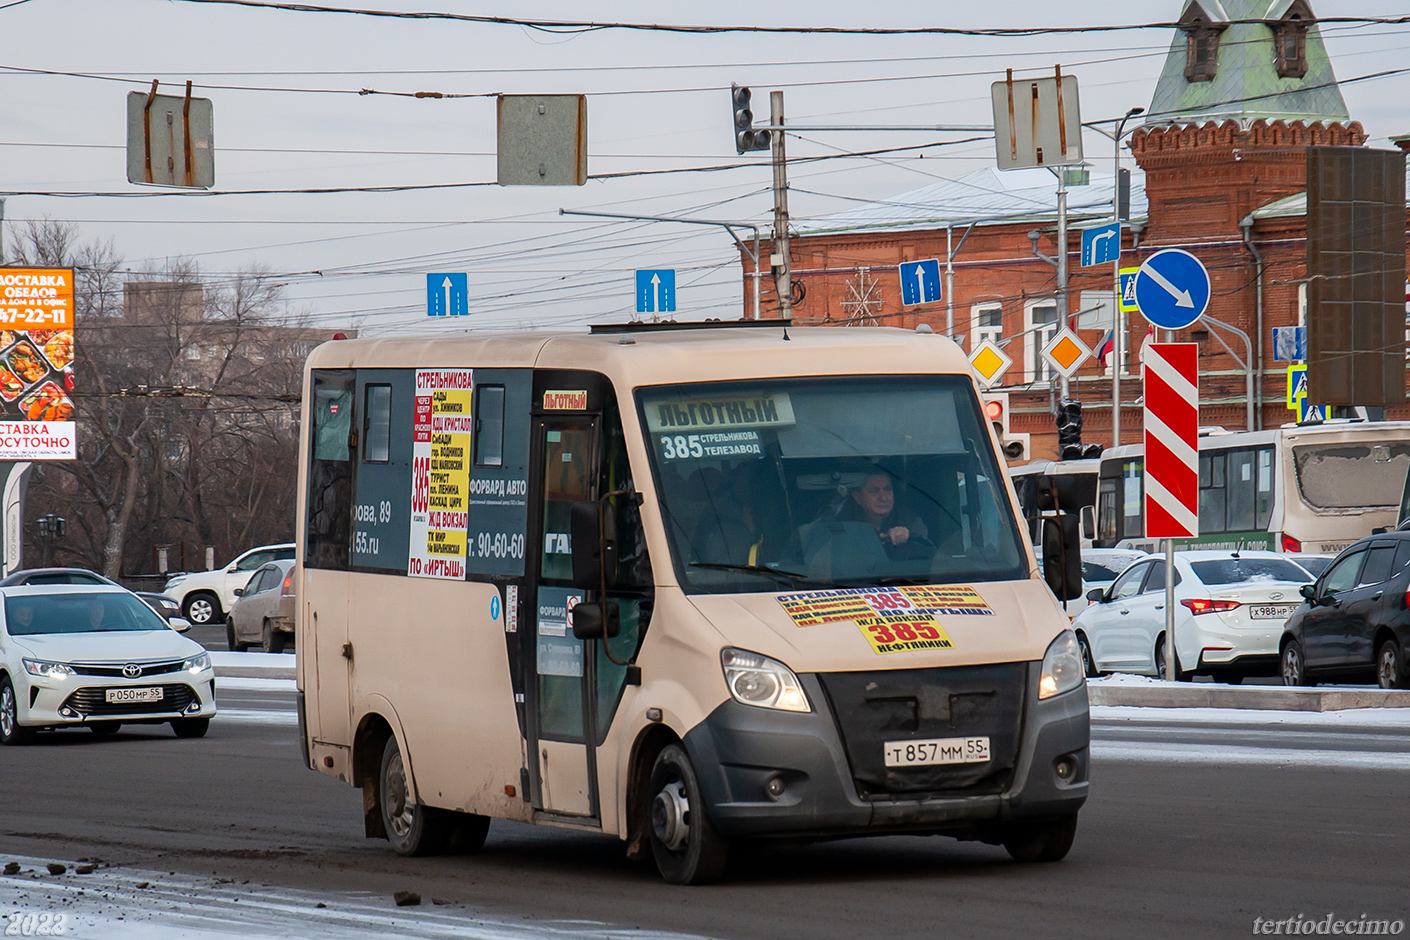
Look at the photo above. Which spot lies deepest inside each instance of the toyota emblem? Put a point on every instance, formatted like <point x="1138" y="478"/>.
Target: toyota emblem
<point x="132" y="670"/>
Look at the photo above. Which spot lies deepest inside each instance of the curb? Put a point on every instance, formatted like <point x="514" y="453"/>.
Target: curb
<point x="253" y="665"/>
<point x="1276" y="698"/>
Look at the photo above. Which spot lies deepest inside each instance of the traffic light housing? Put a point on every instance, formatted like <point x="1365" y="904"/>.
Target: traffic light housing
<point x="1069" y="428"/>
<point x="996" y="412"/>
<point x="745" y="137"/>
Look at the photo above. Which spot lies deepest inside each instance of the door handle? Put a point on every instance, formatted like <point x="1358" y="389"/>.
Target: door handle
<point x="1377" y="596"/>
<point x="1159" y="606"/>
<point x="1124" y="612"/>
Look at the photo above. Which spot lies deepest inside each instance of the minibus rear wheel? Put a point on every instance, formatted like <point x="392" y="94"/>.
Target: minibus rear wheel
<point x="1046" y="841"/>
<point x="687" y="847"/>
<point x="412" y="829"/>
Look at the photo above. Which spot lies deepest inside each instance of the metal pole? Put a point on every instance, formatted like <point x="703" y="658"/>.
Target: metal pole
<point x="1062" y="258"/>
<point x="2" y="231"/>
<point x="783" y="280"/>
<point x="1118" y="324"/>
<point x="756" y="273"/>
<point x="1172" y="658"/>
<point x="950" y="283"/>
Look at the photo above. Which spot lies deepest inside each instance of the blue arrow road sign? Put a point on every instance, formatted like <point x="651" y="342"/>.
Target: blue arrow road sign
<point x="656" y="291"/>
<point x="447" y="295"/>
<point x="920" y="282"/>
<point x="1101" y="245"/>
<point x="1172" y="289"/>
<point x="1289" y="344"/>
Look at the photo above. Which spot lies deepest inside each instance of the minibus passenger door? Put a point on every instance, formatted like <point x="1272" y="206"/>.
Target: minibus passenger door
<point x="560" y="689"/>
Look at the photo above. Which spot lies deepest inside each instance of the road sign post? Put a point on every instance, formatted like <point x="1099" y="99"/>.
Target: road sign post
<point x="1171" y="461"/>
<point x="656" y="290"/>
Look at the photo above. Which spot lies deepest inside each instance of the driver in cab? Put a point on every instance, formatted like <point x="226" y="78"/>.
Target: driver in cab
<point x="874" y="502"/>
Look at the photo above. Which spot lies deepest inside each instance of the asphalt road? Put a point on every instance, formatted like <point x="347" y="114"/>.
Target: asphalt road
<point x="1194" y="829"/>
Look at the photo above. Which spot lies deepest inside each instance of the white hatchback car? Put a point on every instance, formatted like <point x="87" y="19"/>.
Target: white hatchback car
<point x="207" y="596"/>
<point x="96" y="657"/>
<point x="1229" y="615"/>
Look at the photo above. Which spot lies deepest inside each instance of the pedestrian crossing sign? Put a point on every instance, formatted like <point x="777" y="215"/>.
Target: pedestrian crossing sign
<point x="1128" y="290"/>
<point x="1297" y="387"/>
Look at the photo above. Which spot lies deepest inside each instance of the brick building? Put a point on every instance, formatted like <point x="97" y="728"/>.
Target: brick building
<point x="1222" y="152"/>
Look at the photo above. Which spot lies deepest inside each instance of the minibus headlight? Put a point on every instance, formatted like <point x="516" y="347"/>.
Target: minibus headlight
<point x="762" y="682"/>
<point x="1062" y="666"/>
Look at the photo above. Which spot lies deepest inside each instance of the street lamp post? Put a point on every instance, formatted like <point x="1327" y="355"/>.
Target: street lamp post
<point x="50" y="528"/>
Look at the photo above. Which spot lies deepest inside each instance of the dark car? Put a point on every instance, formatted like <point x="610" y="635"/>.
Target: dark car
<point x="1355" y="623"/>
<point x="54" y="576"/>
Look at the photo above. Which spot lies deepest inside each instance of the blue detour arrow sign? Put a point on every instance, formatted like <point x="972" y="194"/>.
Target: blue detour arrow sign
<point x="1172" y="289"/>
<point x="1101" y="245"/>
<point x="656" y="290"/>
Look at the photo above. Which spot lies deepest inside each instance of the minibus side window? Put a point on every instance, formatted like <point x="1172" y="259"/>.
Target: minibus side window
<point x="377" y="425"/>
<point x="328" y="536"/>
<point x="489" y="426"/>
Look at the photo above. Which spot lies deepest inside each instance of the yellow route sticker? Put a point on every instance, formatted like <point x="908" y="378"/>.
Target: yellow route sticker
<point x="904" y="633"/>
<point x="811" y="608"/>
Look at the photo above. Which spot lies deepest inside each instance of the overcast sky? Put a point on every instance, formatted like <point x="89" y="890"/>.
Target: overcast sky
<point x="655" y="101"/>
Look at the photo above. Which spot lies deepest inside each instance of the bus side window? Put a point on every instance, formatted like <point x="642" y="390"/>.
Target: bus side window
<point x="489" y="426"/>
<point x="1265" y="487"/>
<point x="328" y="537"/>
<point x="377" y="424"/>
<point x="1212" y="499"/>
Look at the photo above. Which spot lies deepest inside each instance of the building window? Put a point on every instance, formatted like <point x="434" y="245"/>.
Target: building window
<point x="1201" y="53"/>
<point x="1290" y="48"/>
<point x="986" y="322"/>
<point x="1040" y="325"/>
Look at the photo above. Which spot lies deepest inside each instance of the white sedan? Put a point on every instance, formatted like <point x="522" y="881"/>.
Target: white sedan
<point x="96" y="657"/>
<point x="1230" y="608"/>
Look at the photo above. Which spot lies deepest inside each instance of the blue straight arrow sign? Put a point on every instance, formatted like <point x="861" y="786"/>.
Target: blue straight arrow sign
<point x="656" y="290"/>
<point x="447" y="295"/>
<point x="920" y="282"/>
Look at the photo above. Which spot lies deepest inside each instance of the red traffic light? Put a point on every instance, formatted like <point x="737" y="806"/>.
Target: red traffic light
<point x="994" y="410"/>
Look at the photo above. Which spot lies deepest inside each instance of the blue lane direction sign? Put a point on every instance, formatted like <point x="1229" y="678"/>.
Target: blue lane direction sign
<point x="1172" y="289"/>
<point x="656" y="291"/>
<point x="447" y="295"/>
<point x="920" y="282"/>
<point x="1101" y="245"/>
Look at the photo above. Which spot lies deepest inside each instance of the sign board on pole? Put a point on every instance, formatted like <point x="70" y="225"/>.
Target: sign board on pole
<point x="170" y="140"/>
<point x="36" y="373"/>
<point x="1101" y="245"/>
<point x="1036" y="122"/>
<point x="542" y="140"/>
<point x="920" y="282"/>
<point x="1172" y="440"/>
<point x="989" y="362"/>
<point x="656" y="290"/>
<point x="447" y="295"/>
<point x="1289" y="344"/>
<point x="1172" y="288"/>
<point x="1297" y="386"/>
<point x="1128" y="290"/>
<point x="1066" y="352"/>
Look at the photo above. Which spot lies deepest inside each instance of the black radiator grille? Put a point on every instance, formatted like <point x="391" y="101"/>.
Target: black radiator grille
<point x="93" y="701"/>
<point x="873" y="708"/>
<point x="115" y="670"/>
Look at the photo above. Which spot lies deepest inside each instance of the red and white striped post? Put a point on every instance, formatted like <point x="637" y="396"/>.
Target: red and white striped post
<point x="1172" y="461"/>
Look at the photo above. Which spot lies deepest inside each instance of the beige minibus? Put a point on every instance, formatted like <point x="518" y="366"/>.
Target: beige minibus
<point x="694" y="585"/>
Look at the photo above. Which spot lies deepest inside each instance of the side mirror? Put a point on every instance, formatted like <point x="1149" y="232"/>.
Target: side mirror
<point x="1089" y="522"/>
<point x="239" y="592"/>
<point x="596" y="620"/>
<point x="592" y="525"/>
<point x="1062" y="555"/>
<point x="1097" y="595"/>
<point x="179" y="624"/>
<point x="1308" y="592"/>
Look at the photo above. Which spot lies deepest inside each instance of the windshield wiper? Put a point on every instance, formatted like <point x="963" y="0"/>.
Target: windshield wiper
<point x="792" y="577"/>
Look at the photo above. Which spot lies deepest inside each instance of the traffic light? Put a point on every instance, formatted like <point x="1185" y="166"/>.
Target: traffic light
<point x="745" y="137"/>
<point x="996" y="411"/>
<point x="1069" y="428"/>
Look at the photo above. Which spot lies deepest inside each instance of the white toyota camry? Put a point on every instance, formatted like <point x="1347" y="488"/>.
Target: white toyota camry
<point x="96" y="657"/>
<point x="1230" y="608"/>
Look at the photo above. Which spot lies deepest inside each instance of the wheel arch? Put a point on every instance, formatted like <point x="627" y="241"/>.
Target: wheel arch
<point x="652" y="740"/>
<point x="378" y="723"/>
<point x="1383" y="633"/>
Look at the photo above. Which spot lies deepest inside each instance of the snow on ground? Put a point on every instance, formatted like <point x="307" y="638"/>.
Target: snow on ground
<point x="255" y="685"/>
<point x="132" y="904"/>
<point x="274" y="660"/>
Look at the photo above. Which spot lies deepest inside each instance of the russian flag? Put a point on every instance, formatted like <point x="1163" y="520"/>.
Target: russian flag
<point x="1105" y="349"/>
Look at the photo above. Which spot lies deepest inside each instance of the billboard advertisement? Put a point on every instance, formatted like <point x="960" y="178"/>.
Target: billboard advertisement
<point x="36" y="364"/>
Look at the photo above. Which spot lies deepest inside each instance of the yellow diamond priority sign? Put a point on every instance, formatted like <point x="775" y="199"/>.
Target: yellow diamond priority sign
<point x="989" y="362"/>
<point x="1065" y="352"/>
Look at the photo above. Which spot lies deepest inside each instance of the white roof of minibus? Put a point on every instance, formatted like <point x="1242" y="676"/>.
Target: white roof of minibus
<point x="665" y="356"/>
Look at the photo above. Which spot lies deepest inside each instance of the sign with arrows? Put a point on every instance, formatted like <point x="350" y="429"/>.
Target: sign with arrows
<point x="1172" y="289"/>
<point x="656" y="290"/>
<point x="920" y="282"/>
<point x="1101" y="245"/>
<point x="447" y="295"/>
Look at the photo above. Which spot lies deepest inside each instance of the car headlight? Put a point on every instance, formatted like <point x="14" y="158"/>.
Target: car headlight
<point x="38" y="667"/>
<point x="762" y="682"/>
<point x="174" y="582"/>
<point x="198" y="663"/>
<point x="1062" y="666"/>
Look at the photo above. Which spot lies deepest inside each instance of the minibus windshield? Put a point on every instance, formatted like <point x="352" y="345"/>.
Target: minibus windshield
<point x="773" y="484"/>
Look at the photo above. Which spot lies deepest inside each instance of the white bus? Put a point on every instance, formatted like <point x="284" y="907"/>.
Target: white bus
<point x="690" y="587"/>
<point x="1081" y="482"/>
<point x="1310" y="488"/>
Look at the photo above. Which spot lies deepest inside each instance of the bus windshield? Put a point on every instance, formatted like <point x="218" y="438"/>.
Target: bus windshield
<point x="829" y="482"/>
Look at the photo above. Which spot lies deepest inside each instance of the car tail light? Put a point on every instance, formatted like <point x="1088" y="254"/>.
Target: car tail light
<point x="1200" y="605"/>
<point x="1291" y="544"/>
<point x="288" y="587"/>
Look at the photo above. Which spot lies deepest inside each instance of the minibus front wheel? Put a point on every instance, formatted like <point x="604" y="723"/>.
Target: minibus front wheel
<point x="1047" y="840"/>
<point x="687" y="847"/>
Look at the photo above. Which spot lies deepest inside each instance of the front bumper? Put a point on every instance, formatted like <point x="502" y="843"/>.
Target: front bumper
<point x="739" y="749"/>
<point x="79" y="700"/>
